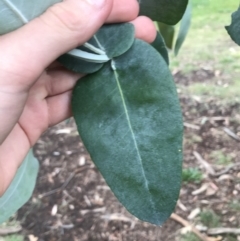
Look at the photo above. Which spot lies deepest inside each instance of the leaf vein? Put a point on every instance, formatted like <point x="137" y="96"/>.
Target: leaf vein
<point x="132" y="133"/>
<point x="16" y="11"/>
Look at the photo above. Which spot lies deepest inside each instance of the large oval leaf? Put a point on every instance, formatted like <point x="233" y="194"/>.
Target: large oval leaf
<point x="166" y="11"/>
<point x="16" y="13"/>
<point x="129" y="118"/>
<point x="20" y="189"/>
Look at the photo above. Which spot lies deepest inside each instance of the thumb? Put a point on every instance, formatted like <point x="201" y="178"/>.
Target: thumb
<point x="61" y="28"/>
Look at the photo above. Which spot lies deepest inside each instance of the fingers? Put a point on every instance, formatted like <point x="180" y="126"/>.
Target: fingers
<point x="145" y="29"/>
<point x="54" y="82"/>
<point x="12" y="155"/>
<point x="62" y="27"/>
<point x="61" y="80"/>
<point x="59" y="108"/>
<point x="123" y="11"/>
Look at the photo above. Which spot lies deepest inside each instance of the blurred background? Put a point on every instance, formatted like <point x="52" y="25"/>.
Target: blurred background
<point x="72" y="202"/>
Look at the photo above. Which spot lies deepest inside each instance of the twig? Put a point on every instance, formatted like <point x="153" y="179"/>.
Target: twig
<point x="191" y="126"/>
<point x="185" y="223"/>
<point x="226" y="170"/>
<point x="217" y="231"/>
<point x="231" y="134"/>
<point x="65" y="183"/>
<point x="119" y="217"/>
<point x="10" y="230"/>
<point x="219" y="118"/>
<point x="206" y="165"/>
<point x="202" y="189"/>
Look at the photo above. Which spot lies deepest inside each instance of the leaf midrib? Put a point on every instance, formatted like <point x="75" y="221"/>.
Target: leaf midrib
<point x="16" y="11"/>
<point x="131" y="130"/>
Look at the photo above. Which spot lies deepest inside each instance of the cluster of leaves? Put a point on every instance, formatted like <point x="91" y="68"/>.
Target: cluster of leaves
<point x="127" y="111"/>
<point x="168" y="31"/>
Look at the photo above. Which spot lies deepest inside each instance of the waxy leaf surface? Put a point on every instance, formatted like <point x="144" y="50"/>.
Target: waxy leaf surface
<point x="166" y="11"/>
<point x="160" y="46"/>
<point x="21" y="188"/>
<point x="130" y="122"/>
<point x="168" y="33"/>
<point x="113" y="40"/>
<point x="234" y="28"/>
<point x="78" y="65"/>
<point x="16" y="13"/>
<point x="184" y="28"/>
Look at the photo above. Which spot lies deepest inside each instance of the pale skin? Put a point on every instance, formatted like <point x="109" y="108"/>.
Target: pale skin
<point x="35" y="91"/>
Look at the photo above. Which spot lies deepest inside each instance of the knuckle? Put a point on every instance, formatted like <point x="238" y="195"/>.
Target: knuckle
<point x="136" y="9"/>
<point x="65" y="17"/>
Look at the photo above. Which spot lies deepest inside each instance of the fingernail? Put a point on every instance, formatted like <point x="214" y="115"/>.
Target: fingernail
<point x="97" y="3"/>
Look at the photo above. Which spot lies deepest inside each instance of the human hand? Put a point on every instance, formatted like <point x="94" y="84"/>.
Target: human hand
<point x="35" y="92"/>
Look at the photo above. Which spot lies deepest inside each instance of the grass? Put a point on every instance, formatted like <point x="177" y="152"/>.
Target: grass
<point x="209" y="218"/>
<point x="230" y="92"/>
<point x="221" y="158"/>
<point x="209" y="46"/>
<point x="192" y="139"/>
<point x="189" y="237"/>
<point x="231" y="238"/>
<point x="235" y="205"/>
<point x="12" y="222"/>
<point x="12" y="238"/>
<point x="191" y="175"/>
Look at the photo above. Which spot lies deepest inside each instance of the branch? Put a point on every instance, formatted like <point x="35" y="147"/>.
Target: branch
<point x="185" y="223"/>
<point x="205" y="164"/>
<point x="191" y="126"/>
<point x="231" y="134"/>
<point x="217" y="231"/>
<point x="10" y="230"/>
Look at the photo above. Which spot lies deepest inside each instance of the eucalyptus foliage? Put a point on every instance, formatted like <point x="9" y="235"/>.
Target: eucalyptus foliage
<point x="21" y="188"/>
<point x="126" y="109"/>
<point x="234" y="29"/>
<point x="173" y="39"/>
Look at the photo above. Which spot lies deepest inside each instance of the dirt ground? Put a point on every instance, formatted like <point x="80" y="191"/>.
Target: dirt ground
<point x="72" y="202"/>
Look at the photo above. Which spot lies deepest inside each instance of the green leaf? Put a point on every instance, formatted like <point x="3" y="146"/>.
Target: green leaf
<point x="160" y="46"/>
<point x="184" y="28"/>
<point x="111" y="40"/>
<point x="114" y="39"/>
<point x="20" y="189"/>
<point x="129" y="119"/>
<point x="16" y="13"/>
<point x="167" y="11"/>
<point x="168" y="32"/>
<point x="234" y="29"/>
<point x="78" y="65"/>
